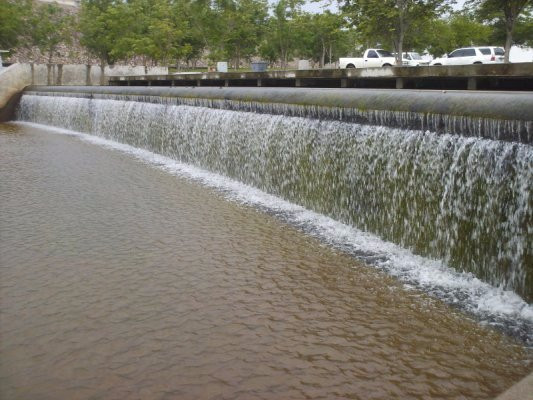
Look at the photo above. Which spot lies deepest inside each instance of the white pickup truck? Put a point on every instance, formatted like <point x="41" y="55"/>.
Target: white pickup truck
<point x="371" y="58"/>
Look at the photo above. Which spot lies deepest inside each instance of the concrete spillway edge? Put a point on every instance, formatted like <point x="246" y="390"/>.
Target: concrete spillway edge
<point x="492" y="115"/>
<point x="497" y="105"/>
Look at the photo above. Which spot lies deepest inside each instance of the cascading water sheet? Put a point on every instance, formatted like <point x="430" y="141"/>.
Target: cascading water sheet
<point x="464" y="202"/>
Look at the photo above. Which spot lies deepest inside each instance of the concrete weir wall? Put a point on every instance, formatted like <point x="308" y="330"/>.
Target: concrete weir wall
<point x="16" y="77"/>
<point x="496" y="115"/>
<point x="78" y="74"/>
<point x="12" y="80"/>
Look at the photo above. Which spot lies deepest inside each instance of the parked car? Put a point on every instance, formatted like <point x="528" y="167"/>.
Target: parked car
<point x="472" y="55"/>
<point x="371" y="58"/>
<point x="413" y="59"/>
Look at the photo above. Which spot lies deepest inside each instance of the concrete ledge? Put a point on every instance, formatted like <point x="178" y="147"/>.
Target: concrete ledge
<point x="522" y="390"/>
<point x="466" y="71"/>
<point x="516" y="106"/>
<point x="518" y="76"/>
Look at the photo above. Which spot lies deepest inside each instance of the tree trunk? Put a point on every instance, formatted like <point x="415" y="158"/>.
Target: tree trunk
<point x="512" y="10"/>
<point x="399" y="45"/>
<point x="102" y="71"/>
<point x="88" y="75"/>
<point x="508" y="44"/>
<point x="59" y="78"/>
<point x="49" y="74"/>
<point x="399" y="55"/>
<point x="323" y="56"/>
<point x="509" y="27"/>
<point x="401" y="32"/>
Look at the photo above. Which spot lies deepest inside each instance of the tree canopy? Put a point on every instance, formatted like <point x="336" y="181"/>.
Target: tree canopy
<point x="390" y="21"/>
<point x="504" y="15"/>
<point x="50" y="27"/>
<point x="13" y="21"/>
<point x="179" y="32"/>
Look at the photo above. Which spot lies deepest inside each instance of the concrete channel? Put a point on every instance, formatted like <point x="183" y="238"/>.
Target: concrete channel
<point x="506" y="105"/>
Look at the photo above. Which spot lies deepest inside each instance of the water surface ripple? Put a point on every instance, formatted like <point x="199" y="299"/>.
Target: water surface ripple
<point x="119" y="280"/>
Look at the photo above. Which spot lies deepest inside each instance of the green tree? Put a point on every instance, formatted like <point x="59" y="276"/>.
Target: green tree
<point x="13" y="21"/>
<point x="202" y="26"/>
<point x="281" y="35"/>
<point x="101" y="24"/>
<point x="321" y="36"/>
<point x="156" y="31"/>
<point x="503" y="12"/>
<point x="390" y="20"/>
<point x="523" y="29"/>
<point x="243" y="24"/>
<point x="51" y="25"/>
<point x="460" y="29"/>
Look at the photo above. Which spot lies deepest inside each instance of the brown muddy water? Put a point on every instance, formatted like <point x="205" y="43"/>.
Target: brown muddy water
<point x="121" y="281"/>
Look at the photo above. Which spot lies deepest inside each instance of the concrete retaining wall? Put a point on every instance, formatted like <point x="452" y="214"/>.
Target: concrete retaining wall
<point x="516" y="77"/>
<point x="13" y="80"/>
<point x="76" y="74"/>
<point x="16" y="77"/>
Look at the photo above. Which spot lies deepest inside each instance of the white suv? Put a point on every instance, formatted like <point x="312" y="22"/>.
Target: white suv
<point x="471" y="55"/>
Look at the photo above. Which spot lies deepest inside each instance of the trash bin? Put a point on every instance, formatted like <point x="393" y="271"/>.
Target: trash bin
<point x="259" y="66"/>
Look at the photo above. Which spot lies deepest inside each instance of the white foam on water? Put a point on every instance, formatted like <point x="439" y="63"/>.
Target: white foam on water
<point x="490" y="304"/>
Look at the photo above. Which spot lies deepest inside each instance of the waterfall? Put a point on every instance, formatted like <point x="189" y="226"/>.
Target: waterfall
<point x="480" y="121"/>
<point x="464" y="200"/>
